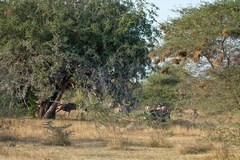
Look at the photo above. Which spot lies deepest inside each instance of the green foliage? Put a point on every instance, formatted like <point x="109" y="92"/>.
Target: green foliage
<point x="73" y="96"/>
<point x="216" y="94"/>
<point x="225" y="86"/>
<point x="31" y="102"/>
<point x="96" y="45"/>
<point x="202" y="37"/>
<point x="9" y="109"/>
<point x="208" y="33"/>
<point x="163" y="88"/>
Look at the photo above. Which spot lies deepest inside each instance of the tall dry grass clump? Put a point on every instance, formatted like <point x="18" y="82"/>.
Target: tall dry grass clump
<point x="185" y="131"/>
<point x="22" y="129"/>
<point x="113" y="124"/>
<point x="84" y="130"/>
<point x="118" y="141"/>
<point x="157" y="134"/>
<point x="223" y="153"/>
<point x="57" y="135"/>
<point x="160" y="142"/>
<point x="194" y="148"/>
<point x="7" y="132"/>
<point x="226" y="137"/>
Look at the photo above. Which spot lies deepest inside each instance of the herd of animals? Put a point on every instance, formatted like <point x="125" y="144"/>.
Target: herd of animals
<point x="159" y="113"/>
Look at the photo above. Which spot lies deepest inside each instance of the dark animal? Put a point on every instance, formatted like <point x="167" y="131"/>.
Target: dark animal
<point x="67" y="107"/>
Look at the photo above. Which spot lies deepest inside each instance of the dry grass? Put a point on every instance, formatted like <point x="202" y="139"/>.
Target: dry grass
<point x="194" y="148"/>
<point x="223" y="153"/>
<point x="186" y="131"/>
<point x="90" y="140"/>
<point x="160" y="143"/>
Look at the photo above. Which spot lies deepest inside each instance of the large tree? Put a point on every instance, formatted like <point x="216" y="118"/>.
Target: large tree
<point x="207" y="38"/>
<point x="97" y="46"/>
<point x="162" y="85"/>
<point x="207" y="34"/>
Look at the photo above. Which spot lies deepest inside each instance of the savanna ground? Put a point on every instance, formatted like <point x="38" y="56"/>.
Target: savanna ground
<point x="177" y="139"/>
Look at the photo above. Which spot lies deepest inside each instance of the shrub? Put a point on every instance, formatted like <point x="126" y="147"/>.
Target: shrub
<point x="57" y="135"/>
<point x="113" y="123"/>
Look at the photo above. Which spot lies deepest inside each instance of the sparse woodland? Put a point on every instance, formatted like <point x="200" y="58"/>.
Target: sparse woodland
<point x="104" y="58"/>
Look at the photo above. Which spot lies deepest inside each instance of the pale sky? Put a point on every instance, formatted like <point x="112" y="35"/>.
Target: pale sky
<point x="166" y="6"/>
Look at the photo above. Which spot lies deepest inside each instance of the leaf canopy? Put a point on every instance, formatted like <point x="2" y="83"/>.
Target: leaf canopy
<point x="207" y="34"/>
<point x="88" y="43"/>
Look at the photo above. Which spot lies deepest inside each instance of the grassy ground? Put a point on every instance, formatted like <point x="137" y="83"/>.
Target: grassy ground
<point x="26" y="139"/>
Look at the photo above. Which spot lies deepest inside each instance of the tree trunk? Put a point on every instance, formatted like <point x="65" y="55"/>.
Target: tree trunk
<point x="51" y="112"/>
<point x="42" y="108"/>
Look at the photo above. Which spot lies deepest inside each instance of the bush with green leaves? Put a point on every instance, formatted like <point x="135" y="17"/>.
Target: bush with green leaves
<point x="97" y="46"/>
<point x="9" y="109"/>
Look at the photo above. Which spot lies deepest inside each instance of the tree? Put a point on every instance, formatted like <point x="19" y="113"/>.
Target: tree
<point x="97" y="46"/>
<point x="206" y="36"/>
<point x="164" y="87"/>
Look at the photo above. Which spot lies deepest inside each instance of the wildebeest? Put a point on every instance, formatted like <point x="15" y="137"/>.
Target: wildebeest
<point x="67" y="108"/>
